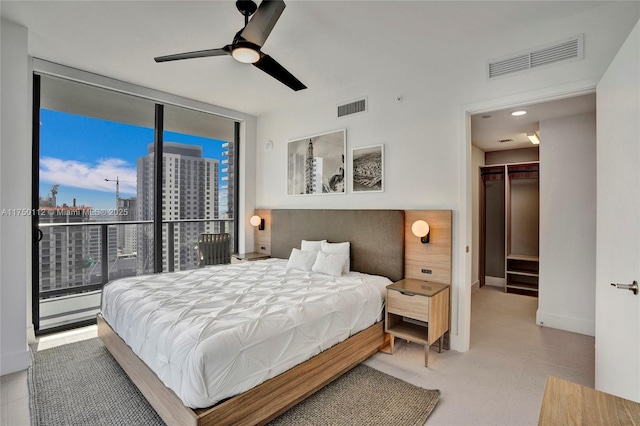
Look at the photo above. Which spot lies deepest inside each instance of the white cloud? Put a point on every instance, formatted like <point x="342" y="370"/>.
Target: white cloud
<point x="89" y="176"/>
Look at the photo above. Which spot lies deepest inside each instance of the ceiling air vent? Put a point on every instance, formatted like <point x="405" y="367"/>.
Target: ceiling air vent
<point x="505" y="140"/>
<point x="352" y="107"/>
<point x="567" y="50"/>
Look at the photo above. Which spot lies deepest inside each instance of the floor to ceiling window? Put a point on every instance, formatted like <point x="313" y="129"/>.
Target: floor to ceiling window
<point x="96" y="191"/>
<point x="196" y="171"/>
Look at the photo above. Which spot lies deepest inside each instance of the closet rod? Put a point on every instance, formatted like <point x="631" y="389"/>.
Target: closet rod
<point x="491" y="173"/>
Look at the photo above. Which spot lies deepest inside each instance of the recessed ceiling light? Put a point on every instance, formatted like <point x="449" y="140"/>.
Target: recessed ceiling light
<point x="518" y="113"/>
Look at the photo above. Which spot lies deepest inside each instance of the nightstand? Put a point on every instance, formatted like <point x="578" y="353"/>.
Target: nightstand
<point x="248" y="257"/>
<point x="417" y="311"/>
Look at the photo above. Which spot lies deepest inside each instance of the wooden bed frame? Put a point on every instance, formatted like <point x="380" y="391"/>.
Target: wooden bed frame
<point x="266" y="401"/>
<point x="256" y="406"/>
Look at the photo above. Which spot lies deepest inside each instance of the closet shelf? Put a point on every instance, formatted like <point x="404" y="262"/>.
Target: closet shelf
<point x="523" y="286"/>
<point x="522" y="272"/>
<point x="526" y="257"/>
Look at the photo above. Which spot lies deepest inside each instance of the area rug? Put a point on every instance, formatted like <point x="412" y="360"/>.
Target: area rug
<point x="81" y="384"/>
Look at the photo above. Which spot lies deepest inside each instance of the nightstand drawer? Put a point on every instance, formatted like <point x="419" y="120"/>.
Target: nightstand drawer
<point x="411" y="306"/>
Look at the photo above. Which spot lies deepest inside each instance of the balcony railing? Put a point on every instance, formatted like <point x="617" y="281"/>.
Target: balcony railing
<point x="78" y="259"/>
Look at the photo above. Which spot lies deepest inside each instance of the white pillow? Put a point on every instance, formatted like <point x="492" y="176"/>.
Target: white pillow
<point x="329" y="264"/>
<point x="302" y="260"/>
<point x="311" y="245"/>
<point x="339" y="248"/>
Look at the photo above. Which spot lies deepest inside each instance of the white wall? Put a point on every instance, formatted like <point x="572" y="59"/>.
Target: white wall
<point x="568" y="223"/>
<point x="422" y="133"/>
<point x="15" y="193"/>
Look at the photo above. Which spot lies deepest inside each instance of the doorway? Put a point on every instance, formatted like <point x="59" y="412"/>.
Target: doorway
<point x="504" y="159"/>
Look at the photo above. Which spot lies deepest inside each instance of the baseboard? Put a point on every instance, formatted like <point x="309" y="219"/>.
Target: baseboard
<point x="475" y="287"/>
<point x="31" y="335"/>
<point x="574" y="325"/>
<point x="457" y="344"/>
<point x="17" y="361"/>
<point x="495" y="281"/>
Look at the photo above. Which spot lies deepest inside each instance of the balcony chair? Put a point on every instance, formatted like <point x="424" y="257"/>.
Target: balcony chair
<point x="214" y="249"/>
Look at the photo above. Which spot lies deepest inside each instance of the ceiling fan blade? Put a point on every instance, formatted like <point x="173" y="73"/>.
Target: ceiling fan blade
<point x="263" y="21"/>
<point x="277" y="71"/>
<point x="197" y="54"/>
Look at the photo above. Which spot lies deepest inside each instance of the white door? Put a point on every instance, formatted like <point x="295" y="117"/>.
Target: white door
<point x="618" y="223"/>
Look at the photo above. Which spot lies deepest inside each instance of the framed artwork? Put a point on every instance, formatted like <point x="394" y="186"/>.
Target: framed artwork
<point x="316" y="164"/>
<point x="367" y="165"/>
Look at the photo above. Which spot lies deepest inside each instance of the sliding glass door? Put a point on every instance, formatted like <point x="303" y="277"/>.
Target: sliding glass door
<point x="96" y="192"/>
<point x="88" y="143"/>
<point x="197" y="152"/>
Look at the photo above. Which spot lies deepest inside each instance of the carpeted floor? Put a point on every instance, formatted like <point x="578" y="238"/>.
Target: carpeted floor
<point x="80" y="383"/>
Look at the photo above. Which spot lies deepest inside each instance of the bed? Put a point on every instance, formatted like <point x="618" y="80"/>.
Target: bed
<point x="281" y="381"/>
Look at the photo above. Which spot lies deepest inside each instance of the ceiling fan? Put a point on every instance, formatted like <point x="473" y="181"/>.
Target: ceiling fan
<point x="247" y="43"/>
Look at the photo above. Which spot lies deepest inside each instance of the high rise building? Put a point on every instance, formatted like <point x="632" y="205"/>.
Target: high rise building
<point x="94" y="245"/>
<point x="305" y="173"/>
<point x="309" y="170"/>
<point x="130" y="240"/>
<point x="227" y="189"/>
<point x="190" y="190"/>
<point x="64" y="252"/>
<point x="71" y="256"/>
<point x="317" y="186"/>
<point x="127" y="234"/>
<point x="296" y="165"/>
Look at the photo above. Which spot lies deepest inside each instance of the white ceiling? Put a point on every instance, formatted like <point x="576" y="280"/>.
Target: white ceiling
<point x="487" y="129"/>
<point x="328" y="45"/>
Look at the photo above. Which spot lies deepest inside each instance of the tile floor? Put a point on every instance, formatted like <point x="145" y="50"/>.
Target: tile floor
<point x="500" y="381"/>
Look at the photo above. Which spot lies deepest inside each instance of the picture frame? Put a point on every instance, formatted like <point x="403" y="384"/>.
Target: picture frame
<point x="316" y="165"/>
<point x="367" y="168"/>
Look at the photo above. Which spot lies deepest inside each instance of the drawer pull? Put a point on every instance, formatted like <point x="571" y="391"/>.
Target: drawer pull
<point x="406" y="294"/>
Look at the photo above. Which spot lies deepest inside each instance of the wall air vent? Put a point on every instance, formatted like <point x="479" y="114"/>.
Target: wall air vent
<point x="357" y="106"/>
<point x="567" y="50"/>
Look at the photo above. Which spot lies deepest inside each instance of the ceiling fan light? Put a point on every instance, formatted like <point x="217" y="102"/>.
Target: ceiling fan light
<point x="245" y="55"/>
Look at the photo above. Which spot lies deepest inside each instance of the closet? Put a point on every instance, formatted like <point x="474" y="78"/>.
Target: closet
<point x="509" y="226"/>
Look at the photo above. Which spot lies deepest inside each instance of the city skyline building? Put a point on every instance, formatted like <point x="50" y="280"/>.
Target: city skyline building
<point x="297" y="169"/>
<point x="63" y="250"/>
<point x="309" y="169"/>
<point x="190" y="190"/>
<point x="81" y="245"/>
<point x="317" y="176"/>
<point x="127" y="234"/>
<point x="227" y="186"/>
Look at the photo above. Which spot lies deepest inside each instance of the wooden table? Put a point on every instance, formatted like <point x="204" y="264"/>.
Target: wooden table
<point x="248" y="257"/>
<point x="567" y="403"/>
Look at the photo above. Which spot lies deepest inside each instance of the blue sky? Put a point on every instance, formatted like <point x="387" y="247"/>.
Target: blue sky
<point x="79" y="153"/>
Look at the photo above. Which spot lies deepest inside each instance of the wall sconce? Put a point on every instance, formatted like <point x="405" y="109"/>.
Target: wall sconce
<point x="257" y="221"/>
<point x="533" y="137"/>
<point x="420" y="228"/>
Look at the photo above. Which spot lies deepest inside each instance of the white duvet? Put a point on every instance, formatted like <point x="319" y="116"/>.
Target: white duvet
<point x="214" y="332"/>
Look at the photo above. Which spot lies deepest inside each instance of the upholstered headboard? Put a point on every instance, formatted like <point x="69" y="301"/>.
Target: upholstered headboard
<point x="376" y="236"/>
